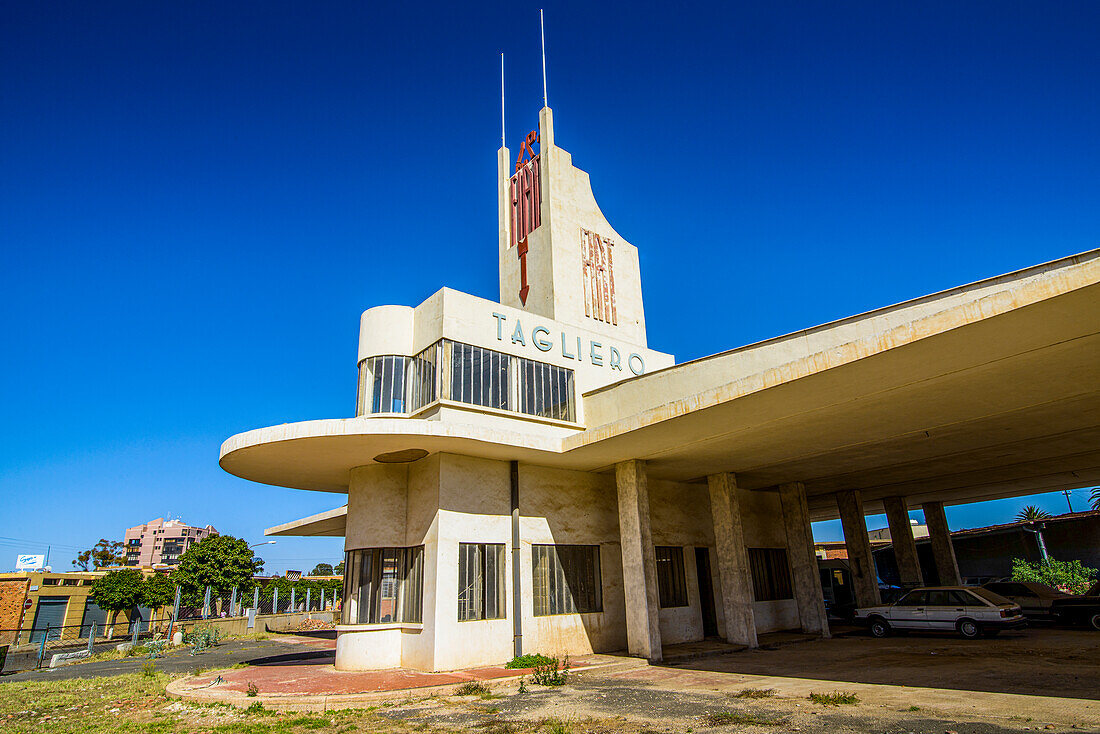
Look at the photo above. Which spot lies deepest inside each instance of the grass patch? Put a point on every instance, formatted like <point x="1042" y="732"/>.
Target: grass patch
<point x="913" y="708"/>
<point x="557" y="726"/>
<point x="755" y="693"/>
<point x="836" y="698"/>
<point x="529" y="661"/>
<point x="730" y="718"/>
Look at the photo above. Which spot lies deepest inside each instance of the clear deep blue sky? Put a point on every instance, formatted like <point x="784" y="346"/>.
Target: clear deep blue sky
<point x="198" y="199"/>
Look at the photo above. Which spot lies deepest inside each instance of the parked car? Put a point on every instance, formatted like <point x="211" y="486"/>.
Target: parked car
<point x="1083" y="609"/>
<point x="972" y="612"/>
<point x="1035" y="600"/>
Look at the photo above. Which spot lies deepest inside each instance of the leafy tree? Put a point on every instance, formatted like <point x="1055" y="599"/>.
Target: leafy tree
<point x="118" y="591"/>
<point x="1094" y="498"/>
<point x="219" y="561"/>
<point x="157" y="591"/>
<point x="1069" y="576"/>
<point x="1031" y="513"/>
<point x="338" y="569"/>
<point x="104" y="553"/>
<point x="321" y="569"/>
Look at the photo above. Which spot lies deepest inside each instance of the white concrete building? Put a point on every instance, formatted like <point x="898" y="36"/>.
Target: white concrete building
<point x="528" y="475"/>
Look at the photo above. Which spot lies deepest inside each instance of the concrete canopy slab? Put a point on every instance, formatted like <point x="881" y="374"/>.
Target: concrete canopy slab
<point x="328" y="523"/>
<point x="987" y="390"/>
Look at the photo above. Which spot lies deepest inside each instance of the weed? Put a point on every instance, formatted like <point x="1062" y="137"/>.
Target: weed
<point x="549" y="674"/>
<point x="529" y="661"/>
<point x="836" y="698"/>
<point x="306" y="722"/>
<point x="755" y="693"/>
<point x="255" y="708"/>
<point x="148" y="670"/>
<point x="522" y="685"/>
<point x="490" y="709"/>
<point x="913" y="708"/>
<point x="473" y="688"/>
<point x="253" y="690"/>
<point x="727" y="718"/>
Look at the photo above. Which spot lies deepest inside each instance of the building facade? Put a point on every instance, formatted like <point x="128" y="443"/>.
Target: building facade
<point x="159" y="543"/>
<point x="528" y="475"/>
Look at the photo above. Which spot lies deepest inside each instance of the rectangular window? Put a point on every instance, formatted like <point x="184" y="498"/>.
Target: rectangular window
<point x="383" y="585"/>
<point x="771" y="575"/>
<point x="479" y="376"/>
<point x="545" y="390"/>
<point x="387" y="384"/>
<point x="480" y="581"/>
<point x="422" y="377"/>
<point x="566" y="579"/>
<point x="671" y="584"/>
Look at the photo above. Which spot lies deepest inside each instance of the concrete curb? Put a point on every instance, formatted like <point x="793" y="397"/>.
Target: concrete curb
<point x="178" y="690"/>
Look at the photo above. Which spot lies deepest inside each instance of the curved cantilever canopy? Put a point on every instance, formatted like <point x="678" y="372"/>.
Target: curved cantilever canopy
<point x="987" y="390"/>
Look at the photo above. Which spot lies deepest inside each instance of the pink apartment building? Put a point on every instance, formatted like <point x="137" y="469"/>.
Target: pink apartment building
<point x="161" y="542"/>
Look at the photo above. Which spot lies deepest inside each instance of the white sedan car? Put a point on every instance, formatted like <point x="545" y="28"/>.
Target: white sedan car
<point x="970" y="611"/>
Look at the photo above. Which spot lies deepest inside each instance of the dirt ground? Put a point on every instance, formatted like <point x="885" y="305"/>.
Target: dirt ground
<point x="1038" y="661"/>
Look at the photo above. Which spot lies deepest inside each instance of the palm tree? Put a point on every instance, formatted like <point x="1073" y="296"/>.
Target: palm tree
<point x="1031" y="513"/>
<point x="1095" y="498"/>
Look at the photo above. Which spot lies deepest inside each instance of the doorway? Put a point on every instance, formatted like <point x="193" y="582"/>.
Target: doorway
<point x="706" y="592"/>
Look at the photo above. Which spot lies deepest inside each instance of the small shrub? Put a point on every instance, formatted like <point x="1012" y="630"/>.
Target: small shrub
<point x="253" y="690"/>
<point x="522" y="685"/>
<point x="836" y="698"/>
<point x="755" y="693"/>
<point x="550" y="674"/>
<point x="148" y="670"/>
<point x="529" y="661"/>
<point x="727" y="718"/>
<point x="201" y="638"/>
<point x="255" y="708"/>
<point x="913" y="708"/>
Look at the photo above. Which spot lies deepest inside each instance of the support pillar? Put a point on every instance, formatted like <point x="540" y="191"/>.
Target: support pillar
<point x="947" y="567"/>
<point x="800" y="553"/>
<point x="734" y="577"/>
<point x="901" y="537"/>
<point x="643" y="631"/>
<point x="860" y="560"/>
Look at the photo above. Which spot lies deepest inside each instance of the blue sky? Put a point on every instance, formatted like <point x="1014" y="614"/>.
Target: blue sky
<point x="198" y="200"/>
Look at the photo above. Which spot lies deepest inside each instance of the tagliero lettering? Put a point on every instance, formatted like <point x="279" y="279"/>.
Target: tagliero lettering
<point x="542" y="340"/>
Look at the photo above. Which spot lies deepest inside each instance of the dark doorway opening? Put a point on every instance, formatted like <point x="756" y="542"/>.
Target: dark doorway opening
<point x="706" y="592"/>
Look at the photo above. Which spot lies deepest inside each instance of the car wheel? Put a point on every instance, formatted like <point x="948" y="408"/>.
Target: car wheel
<point x="880" y="628"/>
<point x="1094" y="620"/>
<point x="969" y="629"/>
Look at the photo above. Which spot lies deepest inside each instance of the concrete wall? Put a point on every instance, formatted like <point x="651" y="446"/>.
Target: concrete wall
<point x="445" y="499"/>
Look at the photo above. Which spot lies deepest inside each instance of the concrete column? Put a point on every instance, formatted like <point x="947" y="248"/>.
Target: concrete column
<point x="860" y="561"/>
<point x="643" y="630"/>
<point x="901" y="537"/>
<point x="734" y="577"/>
<point x="947" y="568"/>
<point x="803" y="560"/>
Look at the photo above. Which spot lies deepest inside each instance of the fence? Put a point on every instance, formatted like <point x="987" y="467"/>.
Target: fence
<point x="33" y="647"/>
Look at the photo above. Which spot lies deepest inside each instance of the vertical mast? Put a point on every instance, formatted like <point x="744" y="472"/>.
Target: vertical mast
<point x="502" y="139"/>
<point x="542" y="34"/>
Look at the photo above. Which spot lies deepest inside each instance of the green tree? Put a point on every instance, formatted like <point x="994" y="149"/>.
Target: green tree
<point x="1069" y="576"/>
<point x="157" y="591"/>
<point x="338" y="569"/>
<point x="1031" y="513"/>
<point x="104" y="553"/>
<point x="219" y="561"/>
<point x="117" y="591"/>
<point x="321" y="569"/>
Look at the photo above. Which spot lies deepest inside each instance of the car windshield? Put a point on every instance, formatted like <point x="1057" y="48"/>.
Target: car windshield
<point x="989" y="596"/>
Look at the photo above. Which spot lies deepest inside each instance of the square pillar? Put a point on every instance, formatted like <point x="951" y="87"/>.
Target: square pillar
<point x="643" y="630"/>
<point x="860" y="560"/>
<point x="800" y="553"/>
<point x="947" y="567"/>
<point x="734" y="578"/>
<point x="901" y="537"/>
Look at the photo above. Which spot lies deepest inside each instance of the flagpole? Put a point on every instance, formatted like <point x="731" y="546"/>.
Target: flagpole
<point x="502" y="138"/>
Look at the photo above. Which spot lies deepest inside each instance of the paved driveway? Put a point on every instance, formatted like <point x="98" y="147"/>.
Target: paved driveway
<point x="1039" y="661"/>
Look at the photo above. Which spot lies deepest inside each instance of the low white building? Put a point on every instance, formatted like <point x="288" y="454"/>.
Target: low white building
<point x="528" y="475"/>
